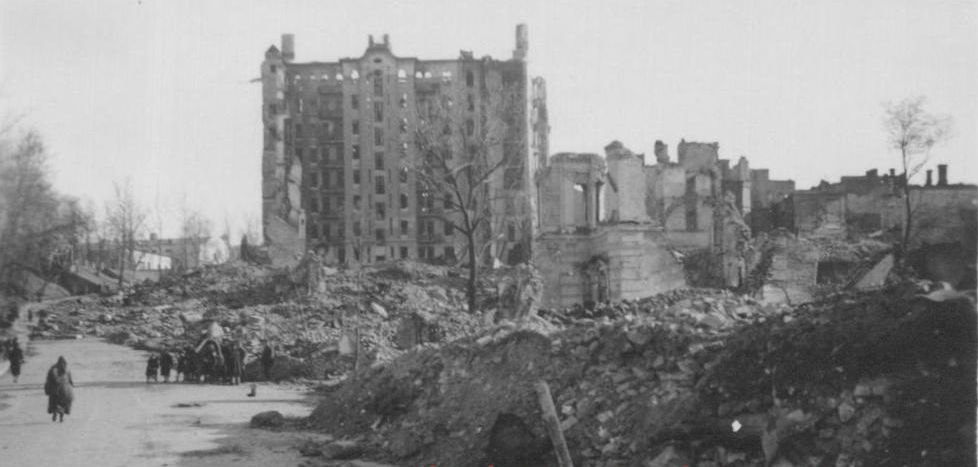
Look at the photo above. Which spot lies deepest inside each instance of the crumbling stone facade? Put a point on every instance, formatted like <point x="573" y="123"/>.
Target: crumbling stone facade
<point x="582" y="254"/>
<point x="338" y="136"/>
<point x="609" y="226"/>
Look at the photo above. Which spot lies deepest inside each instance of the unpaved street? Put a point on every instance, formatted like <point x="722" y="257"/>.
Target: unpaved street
<point x="119" y="420"/>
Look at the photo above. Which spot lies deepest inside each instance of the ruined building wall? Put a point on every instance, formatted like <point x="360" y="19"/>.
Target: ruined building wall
<point x="625" y="200"/>
<point x="282" y="215"/>
<point x="613" y="263"/>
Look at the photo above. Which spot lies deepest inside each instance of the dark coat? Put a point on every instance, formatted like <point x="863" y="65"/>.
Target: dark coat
<point x="152" y="365"/>
<point x="235" y="356"/>
<point x="166" y="363"/>
<point x="58" y="389"/>
<point x="16" y="359"/>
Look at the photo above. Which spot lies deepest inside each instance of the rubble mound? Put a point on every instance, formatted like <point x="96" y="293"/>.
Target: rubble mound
<point x="704" y="377"/>
<point x="306" y="312"/>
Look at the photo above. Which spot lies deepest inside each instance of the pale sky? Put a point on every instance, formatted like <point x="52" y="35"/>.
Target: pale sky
<point x="160" y="90"/>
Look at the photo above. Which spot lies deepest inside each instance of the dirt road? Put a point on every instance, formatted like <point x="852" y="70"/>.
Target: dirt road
<point x="119" y="420"/>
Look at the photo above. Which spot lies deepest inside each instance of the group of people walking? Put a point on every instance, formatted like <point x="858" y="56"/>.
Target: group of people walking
<point x="209" y="362"/>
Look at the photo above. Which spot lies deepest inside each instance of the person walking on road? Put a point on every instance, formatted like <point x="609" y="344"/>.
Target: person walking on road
<point x="16" y="357"/>
<point x="152" y="368"/>
<point x="235" y="361"/>
<point x="267" y="360"/>
<point x="166" y="364"/>
<point x="58" y="389"/>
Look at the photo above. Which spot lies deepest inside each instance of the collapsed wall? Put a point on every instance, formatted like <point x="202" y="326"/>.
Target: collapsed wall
<point x="619" y="262"/>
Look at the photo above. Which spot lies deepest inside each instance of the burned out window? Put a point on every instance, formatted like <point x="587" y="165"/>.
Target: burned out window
<point x="378" y="111"/>
<point x="469" y="79"/>
<point x="356" y="128"/>
<point x="404" y="201"/>
<point x="356" y="176"/>
<point x="354" y="101"/>
<point x="378" y="83"/>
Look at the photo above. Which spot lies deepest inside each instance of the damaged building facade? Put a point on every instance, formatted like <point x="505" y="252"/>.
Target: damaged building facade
<point x="872" y="202"/>
<point x="613" y="227"/>
<point x="338" y="140"/>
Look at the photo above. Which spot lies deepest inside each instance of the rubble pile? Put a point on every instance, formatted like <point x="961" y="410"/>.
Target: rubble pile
<point x="692" y="377"/>
<point x="306" y="315"/>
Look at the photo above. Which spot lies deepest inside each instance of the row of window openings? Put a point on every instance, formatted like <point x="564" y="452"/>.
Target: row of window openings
<point x="426" y="203"/>
<point x="330" y="154"/>
<point x="425" y="229"/>
<point x="401" y="76"/>
<point x="328" y="128"/>
<point x="424" y="252"/>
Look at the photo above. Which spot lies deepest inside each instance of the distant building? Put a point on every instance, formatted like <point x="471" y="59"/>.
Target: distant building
<point x="337" y="138"/>
<point x="869" y="203"/>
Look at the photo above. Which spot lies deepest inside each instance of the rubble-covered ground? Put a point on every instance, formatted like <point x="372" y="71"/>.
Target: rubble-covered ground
<point x="691" y="377"/>
<point x="687" y="378"/>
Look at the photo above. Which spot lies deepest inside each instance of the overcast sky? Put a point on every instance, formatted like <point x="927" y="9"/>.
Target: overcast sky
<point x="161" y="91"/>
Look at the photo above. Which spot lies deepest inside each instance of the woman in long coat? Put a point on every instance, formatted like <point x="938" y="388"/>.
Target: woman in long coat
<point x="58" y="389"/>
<point x="16" y="359"/>
<point x="235" y="359"/>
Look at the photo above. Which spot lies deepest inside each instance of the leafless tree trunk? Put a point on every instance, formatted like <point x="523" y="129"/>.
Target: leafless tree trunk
<point x="914" y="132"/>
<point x="125" y="219"/>
<point x="458" y="162"/>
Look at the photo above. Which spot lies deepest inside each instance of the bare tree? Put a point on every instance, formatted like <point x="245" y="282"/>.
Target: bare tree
<point x="39" y="229"/>
<point x="125" y="219"/>
<point x="463" y="153"/>
<point x="195" y="230"/>
<point x="914" y="132"/>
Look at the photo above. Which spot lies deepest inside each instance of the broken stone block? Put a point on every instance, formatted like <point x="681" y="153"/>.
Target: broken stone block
<point x="269" y="419"/>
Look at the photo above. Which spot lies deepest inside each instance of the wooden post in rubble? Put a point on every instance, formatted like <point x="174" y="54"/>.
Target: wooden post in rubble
<point x="356" y="351"/>
<point x="552" y="423"/>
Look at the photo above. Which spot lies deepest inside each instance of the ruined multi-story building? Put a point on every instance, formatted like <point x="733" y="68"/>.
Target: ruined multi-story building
<point x="609" y="225"/>
<point x="338" y="141"/>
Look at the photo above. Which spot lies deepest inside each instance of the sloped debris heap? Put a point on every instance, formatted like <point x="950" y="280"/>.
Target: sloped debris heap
<point x="881" y="378"/>
<point x="305" y="318"/>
